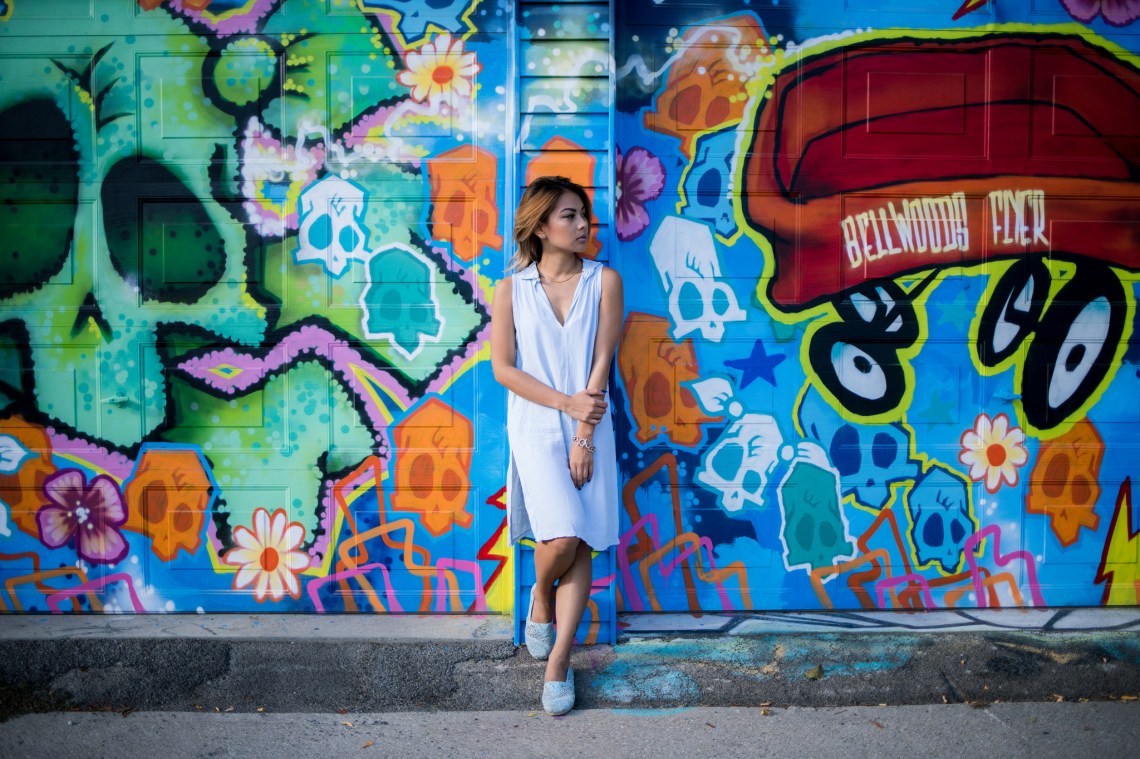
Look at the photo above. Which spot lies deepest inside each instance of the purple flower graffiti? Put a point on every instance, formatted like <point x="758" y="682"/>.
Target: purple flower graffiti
<point x="640" y="178"/>
<point x="1115" y="12"/>
<point x="90" y="514"/>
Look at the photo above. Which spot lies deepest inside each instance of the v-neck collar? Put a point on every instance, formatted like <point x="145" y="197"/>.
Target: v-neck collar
<point x="531" y="272"/>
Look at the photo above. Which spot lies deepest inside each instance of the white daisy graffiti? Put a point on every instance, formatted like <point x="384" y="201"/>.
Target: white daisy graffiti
<point x="994" y="451"/>
<point x="266" y="556"/>
<point x="439" y="71"/>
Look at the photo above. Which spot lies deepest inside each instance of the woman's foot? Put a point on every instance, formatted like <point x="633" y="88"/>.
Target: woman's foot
<point x="539" y="636"/>
<point x="556" y="668"/>
<point x="558" y="696"/>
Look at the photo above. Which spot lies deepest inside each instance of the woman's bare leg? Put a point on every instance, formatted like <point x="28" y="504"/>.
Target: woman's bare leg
<point x="573" y="592"/>
<point x="552" y="559"/>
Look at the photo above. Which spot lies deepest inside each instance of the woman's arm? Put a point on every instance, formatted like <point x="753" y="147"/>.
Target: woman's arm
<point x="610" y="312"/>
<point x="585" y="406"/>
<point x="609" y="325"/>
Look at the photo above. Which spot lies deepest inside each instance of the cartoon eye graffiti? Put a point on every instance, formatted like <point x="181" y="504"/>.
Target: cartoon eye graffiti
<point x="857" y="359"/>
<point x="159" y="236"/>
<point x="39" y="184"/>
<point x="1013" y="310"/>
<point x="1072" y="351"/>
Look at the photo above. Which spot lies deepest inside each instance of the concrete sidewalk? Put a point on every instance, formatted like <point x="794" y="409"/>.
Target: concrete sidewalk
<point x="1097" y="729"/>
<point x="393" y="663"/>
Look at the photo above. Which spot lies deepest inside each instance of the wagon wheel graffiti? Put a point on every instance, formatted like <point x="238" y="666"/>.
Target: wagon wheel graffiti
<point x="1072" y="352"/>
<point x="1073" y="340"/>
<point x="1013" y="311"/>
<point x="857" y="359"/>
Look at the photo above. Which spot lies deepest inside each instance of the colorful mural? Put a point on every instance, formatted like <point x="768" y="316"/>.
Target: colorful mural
<point x="881" y="268"/>
<point x="885" y="355"/>
<point x="248" y="261"/>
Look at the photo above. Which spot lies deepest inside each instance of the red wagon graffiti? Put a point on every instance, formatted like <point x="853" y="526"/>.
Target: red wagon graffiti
<point x="905" y="157"/>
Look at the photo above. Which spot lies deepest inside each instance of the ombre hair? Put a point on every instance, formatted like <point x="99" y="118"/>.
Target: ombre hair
<point x="534" y="209"/>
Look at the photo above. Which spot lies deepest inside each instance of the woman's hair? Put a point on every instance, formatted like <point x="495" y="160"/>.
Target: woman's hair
<point x="534" y="209"/>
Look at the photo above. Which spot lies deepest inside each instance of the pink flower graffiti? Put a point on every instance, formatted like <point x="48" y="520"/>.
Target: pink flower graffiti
<point x="90" y="514"/>
<point x="640" y="178"/>
<point x="1115" y="12"/>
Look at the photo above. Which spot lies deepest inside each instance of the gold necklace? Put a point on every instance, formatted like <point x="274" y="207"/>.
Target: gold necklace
<point x="542" y="277"/>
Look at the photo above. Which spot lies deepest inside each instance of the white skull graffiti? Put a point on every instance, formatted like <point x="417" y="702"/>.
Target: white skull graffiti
<point x="738" y="466"/>
<point x="331" y="221"/>
<point x="686" y="260"/>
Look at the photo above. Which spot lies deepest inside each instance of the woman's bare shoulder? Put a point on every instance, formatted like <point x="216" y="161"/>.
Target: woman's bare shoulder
<point x="502" y="288"/>
<point x="610" y="275"/>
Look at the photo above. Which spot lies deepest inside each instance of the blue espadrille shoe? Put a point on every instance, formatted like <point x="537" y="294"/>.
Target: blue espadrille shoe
<point x="539" y="636"/>
<point x="558" y="697"/>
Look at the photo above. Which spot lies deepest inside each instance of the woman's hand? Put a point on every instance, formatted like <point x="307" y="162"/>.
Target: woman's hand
<point x="581" y="465"/>
<point x="587" y="406"/>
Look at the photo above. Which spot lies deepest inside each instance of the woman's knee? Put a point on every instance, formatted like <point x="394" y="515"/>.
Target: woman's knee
<point x="562" y="548"/>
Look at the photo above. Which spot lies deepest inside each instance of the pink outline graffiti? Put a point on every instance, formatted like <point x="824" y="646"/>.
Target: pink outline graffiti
<point x="54" y="599"/>
<point x="91" y="454"/>
<point x="889" y="582"/>
<point x="1000" y="560"/>
<point x="460" y="565"/>
<point x="311" y="340"/>
<point x="231" y="21"/>
<point x="390" y="593"/>
<point x="316" y="584"/>
<point x="629" y="589"/>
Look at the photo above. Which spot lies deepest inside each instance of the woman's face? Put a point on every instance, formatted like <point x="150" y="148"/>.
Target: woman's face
<point x="566" y="230"/>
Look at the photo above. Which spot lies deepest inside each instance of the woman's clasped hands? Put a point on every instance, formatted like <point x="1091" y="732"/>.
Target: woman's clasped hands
<point x="587" y="406"/>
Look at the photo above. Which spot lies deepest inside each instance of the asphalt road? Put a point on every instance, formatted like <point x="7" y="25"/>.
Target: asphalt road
<point x="1091" y="730"/>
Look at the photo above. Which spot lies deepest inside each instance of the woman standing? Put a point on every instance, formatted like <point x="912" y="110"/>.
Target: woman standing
<point x="554" y="328"/>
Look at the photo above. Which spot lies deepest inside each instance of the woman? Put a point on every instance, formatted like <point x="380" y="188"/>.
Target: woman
<point x="554" y="328"/>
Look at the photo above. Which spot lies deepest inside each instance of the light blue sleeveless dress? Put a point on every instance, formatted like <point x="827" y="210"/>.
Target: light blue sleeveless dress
<point x="541" y="498"/>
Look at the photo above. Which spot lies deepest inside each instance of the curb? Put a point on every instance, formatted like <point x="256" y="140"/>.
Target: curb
<point x="306" y="673"/>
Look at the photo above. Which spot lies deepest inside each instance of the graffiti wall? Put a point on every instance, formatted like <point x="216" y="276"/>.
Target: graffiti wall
<point x="881" y="263"/>
<point x="248" y="252"/>
<point x="885" y="352"/>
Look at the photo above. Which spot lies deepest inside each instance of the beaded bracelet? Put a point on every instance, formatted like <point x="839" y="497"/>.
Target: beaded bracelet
<point x="582" y="442"/>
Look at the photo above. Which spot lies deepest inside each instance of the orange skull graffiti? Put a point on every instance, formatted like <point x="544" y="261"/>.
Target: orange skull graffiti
<point x="653" y="367"/>
<point x="565" y="158"/>
<point x="1065" y="482"/>
<point x="167" y="499"/>
<point x="464" y="208"/>
<point x="705" y="89"/>
<point x="433" y="464"/>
